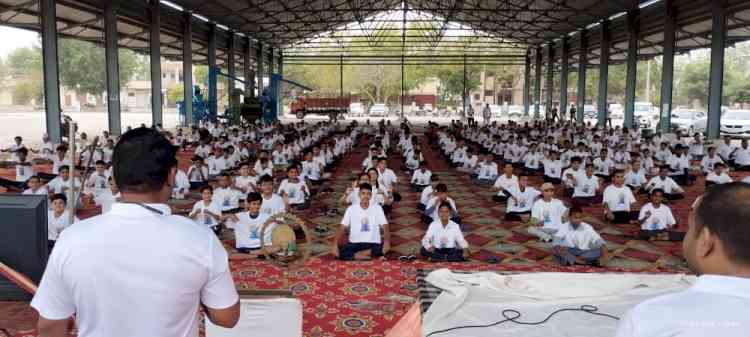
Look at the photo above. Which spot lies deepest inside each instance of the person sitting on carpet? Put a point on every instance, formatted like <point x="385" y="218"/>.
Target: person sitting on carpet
<point x="716" y="248"/>
<point x="657" y="220"/>
<point x="226" y="196"/>
<point x="505" y="183"/>
<point x="635" y="176"/>
<point x="387" y="179"/>
<point x="603" y="166"/>
<point x="708" y="162"/>
<point x="63" y="182"/>
<point x="105" y="199"/>
<point x="570" y="174"/>
<point x="547" y="214"/>
<point x="58" y="218"/>
<point x="197" y="173"/>
<point x="679" y="166"/>
<point x="364" y="221"/>
<point x="586" y="188"/>
<point x="206" y="211"/>
<point x="24" y="171"/>
<point x="421" y="177"/>
<point x="264" y="166"/>
<point x="718" y="175"/>
<point x="741" y="157"/>
<point x="427" y="193"/>
<point x="295" y="189"/>
<point x="532" y="159"/>
<point x="553" y="168"/>
<point x="618" y="200"/>
<point x="578" y="243"/>
<point x="443" y="240"/>
<point x="521" y="200"/>
<point x="247" y="225"/>
<point x="487" y="170"/>
<point x="272" y="203"/>
<point x="441" y="197"/>
<point x="247" y="181"/>
<point x="669" y="187"/>
<point x="35" y="187"/>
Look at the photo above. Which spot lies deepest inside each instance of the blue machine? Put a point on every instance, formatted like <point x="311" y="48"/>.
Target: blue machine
<point x="199" y="107"/>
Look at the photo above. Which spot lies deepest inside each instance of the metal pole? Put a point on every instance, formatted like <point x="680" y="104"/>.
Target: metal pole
<point x="187" y="67"/>
<point x="113" y="67"/>
<point x="603" y="75"/>
<point x="463" y="109"/>
<point x="281" y="63"/>
<point x="341" y="75"/>
<point x="564" y="79"/>
<point x="667" y="70"/>
<point x="71" y="195"/>
<point x="402" y="85"/>
<point x="155" y="53"/>
<point x="582" y="64"/>
<point x="550" y="84"/>
<point x="632" y="66"/>
<point x="51" y="71"/>
<point x="270" y="63"/>
<point x="537" y="81"/>
<point x="249" y="74"/>
<point x="213" y="83"/>
<point x="526" y="83"/>
<point x="230" y="66"/>
<point x="716" y="79"/>
<point x="260" y="69"/>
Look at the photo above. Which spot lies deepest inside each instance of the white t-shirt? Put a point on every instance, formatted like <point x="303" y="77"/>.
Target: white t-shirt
<point x="387" y="178"/>
<point x="618" y="198"/>
<point x="742" y="157"/>
<point x="134" y="271"/>
<point x="364" y="224"/>
<point x="57" y="184"/>
<point x="553" y="169"/>
<point x="424" y="198"/>
<point x="247" y="230"/>
<point x="661" y="218"/>
<point x="246" y="183"/>
<point x="505" y="183"/>
<point x="487" y="171"/>
<point x="273" y="205"/>
<point x="439" y="236"/>
<point x="294" y="191"/>
<point x="421" y="178"/>
<point x="106" y="199"/>
<point x="549" y="213"/>
<point x="723" y="178"/>
<point x="196" y="174"/>
<point x="181" y="185"/>
<point x="205" y="219"/>
<point x="603" y="167"/>
<point x="714" y="306"/>
<point x="668" y="185"/>
<point x="227" y="198"/>
<point x="584" y="238"/>
<point x="24" y="172"/>
<point x="635" y="179"/>
<point x="263" y="169"/>
<point x="525" y="199"/>
<point x="56" y="225"/>
<point x="586" y="186"/>
<point x="432" y="207"/>
<point x="577" y="174"/>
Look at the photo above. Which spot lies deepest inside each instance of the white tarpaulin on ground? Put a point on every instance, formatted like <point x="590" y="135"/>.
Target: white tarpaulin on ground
<point x="274" y="317"/>
<point x="480" y="298"/>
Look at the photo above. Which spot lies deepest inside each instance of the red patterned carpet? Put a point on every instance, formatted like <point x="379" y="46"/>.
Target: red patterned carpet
<point x="367" y="298"/>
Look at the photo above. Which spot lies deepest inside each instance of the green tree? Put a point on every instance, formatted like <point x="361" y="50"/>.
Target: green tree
<point x="175" y="93"/>
<point x="201" y="76"/>
<point x="24" y="66"/>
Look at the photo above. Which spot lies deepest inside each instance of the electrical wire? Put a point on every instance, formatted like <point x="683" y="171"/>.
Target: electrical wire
<point x="512" y="315"/>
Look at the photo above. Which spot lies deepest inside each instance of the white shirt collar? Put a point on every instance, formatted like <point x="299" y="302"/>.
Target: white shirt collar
<point x="135" y="210"/>
<point x="723" y="285"/>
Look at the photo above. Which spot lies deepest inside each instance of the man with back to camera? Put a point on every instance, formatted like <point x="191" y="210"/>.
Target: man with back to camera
<point x="717" y="248"/>
<point x="137" y="270"/>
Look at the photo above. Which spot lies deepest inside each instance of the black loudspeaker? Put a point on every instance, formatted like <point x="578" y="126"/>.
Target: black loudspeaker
<point x="23" y="240"/>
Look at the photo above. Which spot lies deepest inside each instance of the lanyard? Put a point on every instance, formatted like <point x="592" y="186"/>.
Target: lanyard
<point x="147" y="207"/>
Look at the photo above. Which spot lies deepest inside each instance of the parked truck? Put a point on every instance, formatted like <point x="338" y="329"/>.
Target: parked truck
<point x="332" y="107"/>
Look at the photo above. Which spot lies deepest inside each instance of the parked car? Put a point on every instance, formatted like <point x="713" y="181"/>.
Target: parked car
<point x="495" y="110"/>
<point x="428" y="108"/>
<point x="616" y="110"/>
<point x="684" y="120"/>
<point x="379" y="110"/>
<point x="643" y="115"/>
<point x="736" y="123"/>
<point x="356" y="109"/>
<point x="589" y="111"/>
<point x="515" y="109"/>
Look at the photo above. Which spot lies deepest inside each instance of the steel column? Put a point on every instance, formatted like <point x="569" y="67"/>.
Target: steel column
<point x="231" y="66"/>
<point x="603" y="74"/>
<point x="213" y="83"/>
<point x="51" y="70"/>
<point x="155" y="54"/>
<point x="632" y="67"/>
<point x="259" y="70"/>
<point x="341" y="75"/>
<point x="187" y="67"/>
<point x="549" y="80"/>
<point x="270" y="64"/>
<point x="249" y="74"/>
<point x="564" y="79"/>
<point x="716" y="79"/>
<point x="526" y="83"/>
<point x="667" y="71"/>
<point x="537" y="81"/>
<point x="113" y="67"/>
<point x="402" y="85"/>
<point x="463" y="93"/>
<point x="582" y="63"/>
<point x="281" y="63"/>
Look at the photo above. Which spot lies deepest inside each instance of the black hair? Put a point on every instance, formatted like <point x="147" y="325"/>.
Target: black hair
<point x="441" y="188"/>
<point x="63" y="167"/>
<point x="253" y="196"/>
<point x="575" y="159"/>
<point x="657" y="190"/>
<point x="100" y="162"/>
<point x="224" y="174"/>
<point x="35" y="177"/>
<point x="58" y="196"/>
<point x="725" y="211"/>
<point x="23" y="151"/>
<point x="445" y="204"/>
<point x="575" y="210"/>
<point x="142" y="160"/>
<point x="365" y="186"/>
<point x="206" y="187"/>
<point x="265" y="179"/>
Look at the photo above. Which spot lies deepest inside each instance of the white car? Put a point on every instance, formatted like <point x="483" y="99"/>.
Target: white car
<point x="736" y="123"/>
<point x="515" y="110"/>
<point x="589" y="111"/>
<point x="356" y="109"/>
<point x="428" y="108"/>
<point x="379" y="110"/>
<point x="685" y="120"/>
<point x="616" y="111"/>
<point x="495" y="110"/>
<point x="643" y="114"/>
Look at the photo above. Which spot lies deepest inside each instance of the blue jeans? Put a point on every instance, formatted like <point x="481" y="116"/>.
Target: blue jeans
<point x="589" y="255"/>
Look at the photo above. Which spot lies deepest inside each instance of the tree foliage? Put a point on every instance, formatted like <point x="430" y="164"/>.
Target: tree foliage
<point x="175" y="93"/>
<point x="83" y="66"/>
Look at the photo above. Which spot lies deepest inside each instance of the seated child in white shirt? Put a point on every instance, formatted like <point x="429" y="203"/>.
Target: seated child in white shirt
<point x="578" y="243"/>
<point x="443" y="240"/>
<point x="718" y="175"/>
<point x="657" y="221"/>
<point x="205" y="211"/>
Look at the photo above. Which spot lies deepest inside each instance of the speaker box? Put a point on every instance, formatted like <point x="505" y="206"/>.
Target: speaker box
<point x="23" y="241"/>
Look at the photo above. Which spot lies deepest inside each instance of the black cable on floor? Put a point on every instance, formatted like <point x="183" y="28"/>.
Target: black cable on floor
<point x="512" y="315"/>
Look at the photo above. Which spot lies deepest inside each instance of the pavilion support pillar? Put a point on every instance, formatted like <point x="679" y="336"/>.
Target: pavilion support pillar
<point x="537" y="81"/>
<point x="51" y="70"/>
<point x="564" y="79"/>
<point x="463" y="92"/>
<point x="249" y="73"/>
<point x="213" y="82"/>
<point x="155" y="54"/>
<point x="341" y="75"/>
<point x="113" y="67"/>
<point x="270" y="64"/>
<point x="526" y="83"/>
<point x="549" y="81"/>
<point x="260" y="69"/>
<point x="582" y="63"/>
<point x="187" y="67"/>
<point x="603" y="75"/>
<point x="281" y="63"/>
<point x="667" y="72"/>
<point x="632" y="67"/>
<point x="231" y="66"/>
<point x="716" y="78"/>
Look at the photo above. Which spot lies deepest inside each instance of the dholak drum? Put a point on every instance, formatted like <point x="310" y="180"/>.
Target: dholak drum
<point x="284" y="249"/>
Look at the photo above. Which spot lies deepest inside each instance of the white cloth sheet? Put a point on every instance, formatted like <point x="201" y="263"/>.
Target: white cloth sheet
<point x="480" y="298"/>
<point x="272" y="317"/>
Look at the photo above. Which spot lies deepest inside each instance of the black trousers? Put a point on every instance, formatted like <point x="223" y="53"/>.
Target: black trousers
<point x="347" y="251"/>
<point x="671" y="235"/>
<point x="624" y="217"/>
<point x="515" y="216"/>
<point x="443" y="254"/>
<point x="554" y="181"/>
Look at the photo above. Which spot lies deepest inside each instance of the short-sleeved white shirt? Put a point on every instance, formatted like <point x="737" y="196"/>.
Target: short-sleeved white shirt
<point x="364" y="224"/>
<point x="549" y="213"/>
<point x="439" y="236"/>
<point x="227" y="198"/>
<point x="661" y="218"/>
<point x="205" y="219"/>
<point x="273" y="205"/>
<point x="136" y="272"/>
<point x="247" y="230"/>
<point x="618" y="198"/>
<point x="506" y="183"/>
<point x="294" y="191"/>
<point x="586" y="186"/>
<point x="525" y="199"/>
<point x="56" y="225"/>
